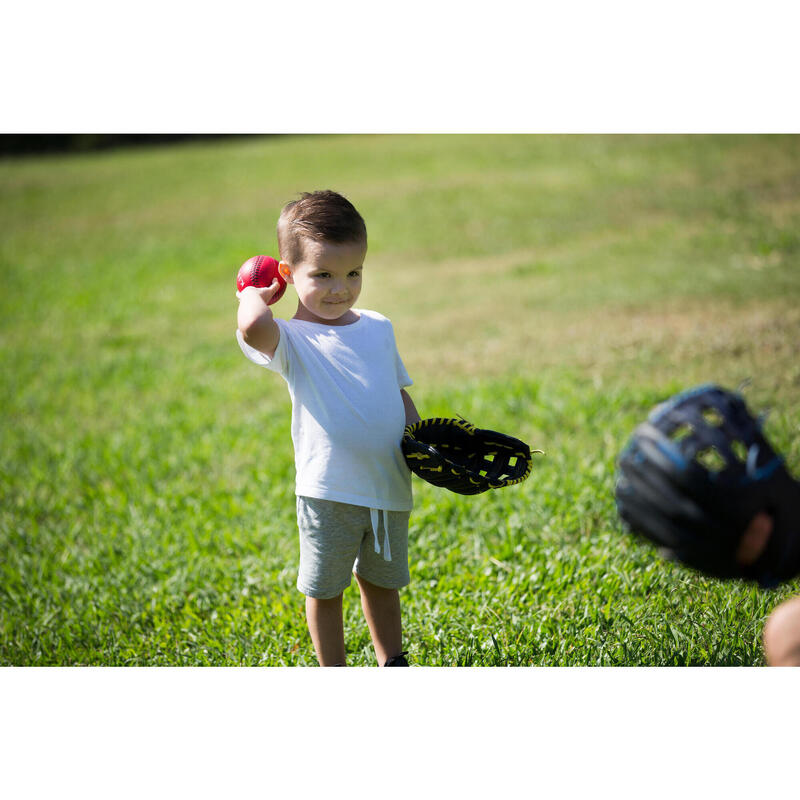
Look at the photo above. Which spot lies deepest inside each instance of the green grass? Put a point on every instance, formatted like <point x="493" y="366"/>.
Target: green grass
<point x="551" y="287"/>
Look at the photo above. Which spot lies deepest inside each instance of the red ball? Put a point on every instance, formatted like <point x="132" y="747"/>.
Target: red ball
<point x="259" y="271"/>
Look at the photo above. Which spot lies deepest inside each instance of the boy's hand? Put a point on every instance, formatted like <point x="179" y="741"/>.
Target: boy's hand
<point x="266" y="293"/>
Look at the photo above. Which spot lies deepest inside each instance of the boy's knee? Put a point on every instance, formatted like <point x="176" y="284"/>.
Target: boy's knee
<point x="782" y="635"/>
<point x="373" y="588"/>
<point x="324" y="609"/>
<point x="325" y="602"/>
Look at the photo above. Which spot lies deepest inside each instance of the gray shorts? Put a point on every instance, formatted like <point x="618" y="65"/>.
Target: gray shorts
<point x="337" y="539"/>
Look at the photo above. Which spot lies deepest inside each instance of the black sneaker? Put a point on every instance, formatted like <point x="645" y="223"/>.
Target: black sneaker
<point x="397" y="661"/>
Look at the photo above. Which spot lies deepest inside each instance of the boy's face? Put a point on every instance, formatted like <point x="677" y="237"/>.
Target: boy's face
<point x="327" y="278"/>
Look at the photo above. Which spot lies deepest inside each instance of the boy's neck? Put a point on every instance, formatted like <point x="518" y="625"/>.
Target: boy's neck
<point x="304" y="315"/>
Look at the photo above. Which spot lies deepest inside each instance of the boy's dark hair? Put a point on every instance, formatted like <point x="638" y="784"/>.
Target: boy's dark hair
<point x="322" y="216"/>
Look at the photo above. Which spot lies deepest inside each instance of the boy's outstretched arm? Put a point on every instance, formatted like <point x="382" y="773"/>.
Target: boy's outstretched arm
<point x="412" y="415"/>
<point x="255" y="320"/>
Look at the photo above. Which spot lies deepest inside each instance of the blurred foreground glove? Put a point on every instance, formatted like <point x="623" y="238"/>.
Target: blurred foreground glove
<point x="457" y="456"/>
<point x="694" y="475"/>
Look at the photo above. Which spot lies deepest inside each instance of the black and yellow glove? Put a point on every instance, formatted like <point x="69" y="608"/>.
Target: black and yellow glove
<point x="457" y="456"/>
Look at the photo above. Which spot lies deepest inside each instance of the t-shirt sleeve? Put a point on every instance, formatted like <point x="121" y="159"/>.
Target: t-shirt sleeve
<point x="279" y="362"/>
<point x="403" y="378"/>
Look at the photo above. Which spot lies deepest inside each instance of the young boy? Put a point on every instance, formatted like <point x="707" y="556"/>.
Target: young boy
<point x="349" y="409"/>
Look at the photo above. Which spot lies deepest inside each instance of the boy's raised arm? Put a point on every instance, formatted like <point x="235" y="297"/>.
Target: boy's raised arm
<point x="255" y="320"/>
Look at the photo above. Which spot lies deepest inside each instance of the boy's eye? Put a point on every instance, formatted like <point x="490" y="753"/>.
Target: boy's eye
<point x="354" y="274"/>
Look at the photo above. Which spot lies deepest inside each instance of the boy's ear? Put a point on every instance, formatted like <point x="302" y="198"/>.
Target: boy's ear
<point x="285" y="271"/>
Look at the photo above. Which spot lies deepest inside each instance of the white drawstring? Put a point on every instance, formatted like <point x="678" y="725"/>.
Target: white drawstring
<point x="375" y="516"/>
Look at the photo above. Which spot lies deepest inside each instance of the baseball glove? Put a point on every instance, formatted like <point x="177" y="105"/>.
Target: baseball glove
<point x="457" y="456"/>
<point x="694" y="475"/>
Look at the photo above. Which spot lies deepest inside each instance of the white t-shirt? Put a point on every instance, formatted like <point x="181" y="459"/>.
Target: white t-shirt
<point x="348" y="415"/>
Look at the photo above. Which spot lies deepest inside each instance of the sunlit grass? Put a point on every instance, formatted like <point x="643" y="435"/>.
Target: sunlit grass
<point x="551" y="287"/>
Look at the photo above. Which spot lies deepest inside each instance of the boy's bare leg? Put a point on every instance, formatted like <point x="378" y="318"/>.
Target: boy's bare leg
<point x="382" y="611"/>
<point x="325" y="624"/>
<point x="782" y="635"/>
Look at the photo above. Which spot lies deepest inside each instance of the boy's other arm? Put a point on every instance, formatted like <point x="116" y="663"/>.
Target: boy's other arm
<point x="412" y="415"/>
<point x="255" y="320"/>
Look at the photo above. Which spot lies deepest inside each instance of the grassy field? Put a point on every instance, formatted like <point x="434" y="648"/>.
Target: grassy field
<point x="551" y="287"/>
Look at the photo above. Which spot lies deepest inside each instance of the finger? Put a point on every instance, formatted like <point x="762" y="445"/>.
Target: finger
<point x="269" y="291"/>
<point x="754" y="539"/>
